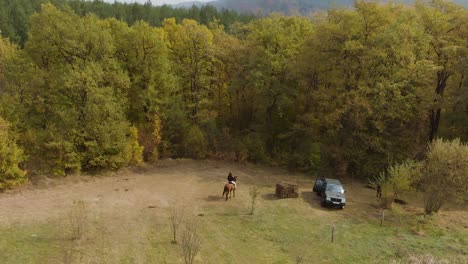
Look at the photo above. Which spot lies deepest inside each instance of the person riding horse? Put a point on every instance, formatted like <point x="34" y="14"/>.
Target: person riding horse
<point x="231" y="179"/>
<point x="230" y="187"/>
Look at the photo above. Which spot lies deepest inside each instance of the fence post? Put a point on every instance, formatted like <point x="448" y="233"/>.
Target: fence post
<point x="333" y="234"/>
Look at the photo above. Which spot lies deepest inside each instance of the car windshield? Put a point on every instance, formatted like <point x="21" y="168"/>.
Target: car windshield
<point x="335" y="188"/>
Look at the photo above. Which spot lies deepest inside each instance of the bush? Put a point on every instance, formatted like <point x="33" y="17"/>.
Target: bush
<point x="254" y="193"/>
<point x="176" y="215"/>
<point x="445" y="171"/>
<point x="10" y="158"/>
<point x="190" y="243"/>
<point x="195" y="143"/>
<point x="396" y="180"/>
<point x="133" y="150"/>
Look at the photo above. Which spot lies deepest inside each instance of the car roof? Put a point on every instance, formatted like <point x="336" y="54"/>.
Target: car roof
<point x="332" y="181"/>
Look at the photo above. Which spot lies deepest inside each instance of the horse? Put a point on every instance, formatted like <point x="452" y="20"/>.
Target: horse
<point x="229" y="188"/>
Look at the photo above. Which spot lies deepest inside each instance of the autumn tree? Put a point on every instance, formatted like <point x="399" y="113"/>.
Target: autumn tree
<point x="445" y="27"/>
<point x="445" y="174"/>
<point x="143" y="52"/>
<point x="191" y="54"/>
<point x="82" y="95"/>
<point x="364" y="75"/>
<point x="265" y="87"/>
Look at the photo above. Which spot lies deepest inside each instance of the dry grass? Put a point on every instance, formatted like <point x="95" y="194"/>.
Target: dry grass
<point x="129" y="221"/>
<point x="421" y="259"/>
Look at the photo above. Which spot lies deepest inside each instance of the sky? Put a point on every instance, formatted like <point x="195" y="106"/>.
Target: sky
<point x="157" y="2"/>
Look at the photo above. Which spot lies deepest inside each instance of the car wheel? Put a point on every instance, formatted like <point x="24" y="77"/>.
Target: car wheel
<point x="342" y="207"/>
<point x="322" y="203"/>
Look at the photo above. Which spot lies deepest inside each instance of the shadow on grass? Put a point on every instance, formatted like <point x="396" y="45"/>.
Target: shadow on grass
<point x="213" y="198"/>
<point x="313" y="200"/>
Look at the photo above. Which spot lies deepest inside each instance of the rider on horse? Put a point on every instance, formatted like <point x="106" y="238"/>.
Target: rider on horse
<point x="231" y="179"/>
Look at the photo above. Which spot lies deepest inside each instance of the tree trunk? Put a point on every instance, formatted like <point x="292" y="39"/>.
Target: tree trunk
<point x="442" y="78"/>
<point x="434" y="119"/>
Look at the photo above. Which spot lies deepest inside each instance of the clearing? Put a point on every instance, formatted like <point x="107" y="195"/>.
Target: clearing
<point x="126" y="220"/>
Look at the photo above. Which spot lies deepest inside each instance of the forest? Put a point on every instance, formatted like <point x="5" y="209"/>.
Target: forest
<point x="14" y="15"/>
<point x="291" y="7"/>
<point x="347" y="92"/>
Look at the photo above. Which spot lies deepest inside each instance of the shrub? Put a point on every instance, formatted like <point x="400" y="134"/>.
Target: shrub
<point x="133" y="149"/>
<point x="10" y="158"/>
<point x="396" y="180"/>
<point x="254" y="193"/>
<point x="176" y="216"/>
<point x="445" y="171"/>
<point x="190" y="242"/>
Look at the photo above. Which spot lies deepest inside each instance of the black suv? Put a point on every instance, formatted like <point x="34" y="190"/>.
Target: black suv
<point x="331" y="192"/>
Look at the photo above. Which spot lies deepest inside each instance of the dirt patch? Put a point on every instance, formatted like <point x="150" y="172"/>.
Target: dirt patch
<point x="130" y="191"/>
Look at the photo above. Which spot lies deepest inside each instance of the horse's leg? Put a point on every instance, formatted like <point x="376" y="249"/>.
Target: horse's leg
<point x="234" y="191"/>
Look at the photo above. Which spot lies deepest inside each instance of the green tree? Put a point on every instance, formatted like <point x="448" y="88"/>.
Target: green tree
<point x="143" y="51"/>
<point x="192" y="57"/>
<point x="191" y="46"/>
<point x="83" y="93"/>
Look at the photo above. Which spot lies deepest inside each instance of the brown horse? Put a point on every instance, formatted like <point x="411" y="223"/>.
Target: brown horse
<point x="229" y="188"/>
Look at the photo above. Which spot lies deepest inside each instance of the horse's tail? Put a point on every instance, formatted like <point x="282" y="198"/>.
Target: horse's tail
<point x="225" y="190"/>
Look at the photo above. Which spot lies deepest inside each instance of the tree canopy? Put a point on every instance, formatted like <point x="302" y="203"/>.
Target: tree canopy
<point x="344" y="92"/>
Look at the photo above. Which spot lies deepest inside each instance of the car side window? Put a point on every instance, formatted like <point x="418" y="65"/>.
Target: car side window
<point x="320" y="183"/>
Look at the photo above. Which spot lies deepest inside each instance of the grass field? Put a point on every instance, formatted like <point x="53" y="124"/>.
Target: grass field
<point x="126" y="220"/>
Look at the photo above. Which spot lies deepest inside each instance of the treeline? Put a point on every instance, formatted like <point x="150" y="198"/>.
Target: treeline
<point x="288" y="7"/>
<point x="344" y="93"/>
<point x="292" y="7"/>
<point x="14" y="15"/>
